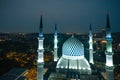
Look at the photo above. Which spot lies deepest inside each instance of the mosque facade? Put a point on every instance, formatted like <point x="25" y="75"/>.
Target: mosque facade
<point x="73" y="64"/>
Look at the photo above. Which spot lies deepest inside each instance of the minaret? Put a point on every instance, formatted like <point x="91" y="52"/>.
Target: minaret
<point x="55" y="44"/>
<point x="109" y="53"/>
<point x="90" y="46"/>
<point x="40" y="62"/>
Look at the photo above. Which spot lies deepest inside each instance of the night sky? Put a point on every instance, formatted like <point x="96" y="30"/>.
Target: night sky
<point x="69" y="15"/>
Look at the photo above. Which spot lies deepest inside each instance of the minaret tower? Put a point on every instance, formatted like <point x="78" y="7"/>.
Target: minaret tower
<point x="55" y="44"/>
<point x="109" y="53"/>
<point x="90" y="45"/>
<point x="40" y="61"/>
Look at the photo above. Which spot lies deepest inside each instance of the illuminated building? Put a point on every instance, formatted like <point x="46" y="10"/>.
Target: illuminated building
<point x="90" y="46"/>
<point x="40" y="62"/>
<point x="73" y="64"/>
<point x="55" y="44"/>
<point x="73" y="57"/>
<point x="109" y="53"/>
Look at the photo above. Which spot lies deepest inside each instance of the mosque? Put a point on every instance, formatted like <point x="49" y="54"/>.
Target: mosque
<point x="73" y="65"/>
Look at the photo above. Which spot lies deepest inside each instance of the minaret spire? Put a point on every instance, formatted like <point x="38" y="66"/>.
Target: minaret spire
<point x="107" y="21"/>
<point x="109" y="53"/>
<point x="55" y="44"/>
<point x="108" y="39"/>
<point x="41" y="28"/>
<point x="40" y="61"/>
<point x="90" y="45"/>
<point x="90" y="28"/>
<point x="55" y="29"/>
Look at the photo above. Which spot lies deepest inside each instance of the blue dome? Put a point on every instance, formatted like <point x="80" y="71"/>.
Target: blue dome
<point x="73" y="47"/>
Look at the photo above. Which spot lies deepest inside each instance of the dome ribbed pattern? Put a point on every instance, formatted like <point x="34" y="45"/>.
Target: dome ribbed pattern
<point x="73" y="47"/>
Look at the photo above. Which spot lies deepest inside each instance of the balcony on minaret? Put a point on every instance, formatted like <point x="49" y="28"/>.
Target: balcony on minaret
<point x="41" y="36"/>
<point x="40" y="61"/>
<point x="90" y="41"/>
<point x="90" y="34"/>
<point x="108" y="36"/>
<point x="40" y="50"/>
<point x="109" y="53"/>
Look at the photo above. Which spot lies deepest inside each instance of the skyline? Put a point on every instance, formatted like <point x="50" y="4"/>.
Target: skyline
<point x="70" y="16"/>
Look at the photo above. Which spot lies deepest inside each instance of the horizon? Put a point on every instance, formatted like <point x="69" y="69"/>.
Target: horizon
<point x="68" y="33"/>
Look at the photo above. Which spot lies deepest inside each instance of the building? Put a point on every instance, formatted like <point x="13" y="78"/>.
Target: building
<point x="73" y="65"/>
